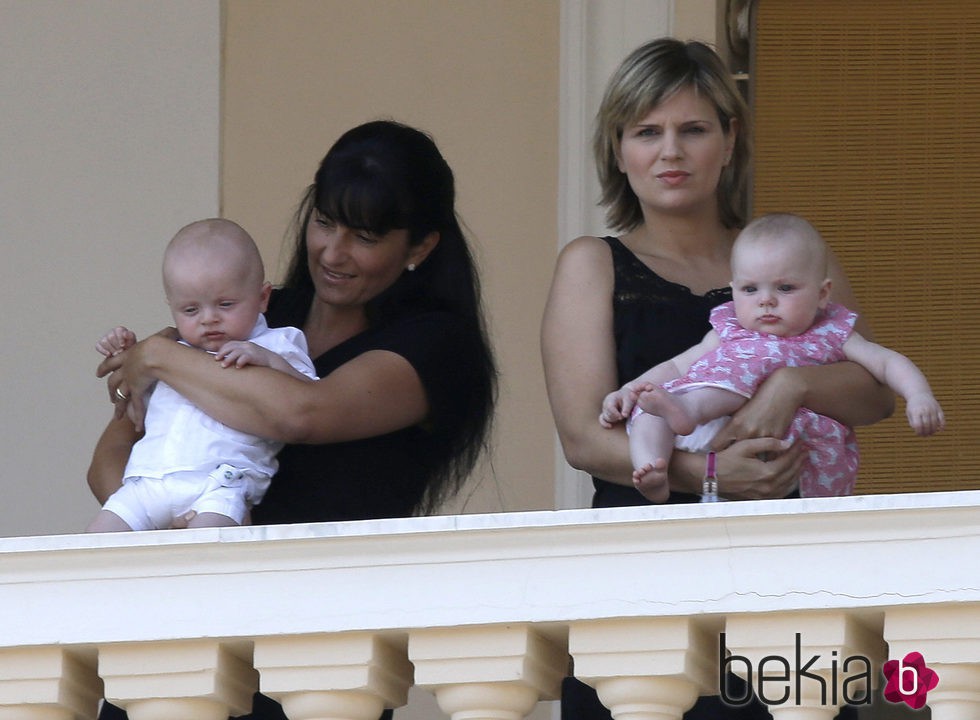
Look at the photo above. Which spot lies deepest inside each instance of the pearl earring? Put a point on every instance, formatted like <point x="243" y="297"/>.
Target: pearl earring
<point x="411" y="267"/>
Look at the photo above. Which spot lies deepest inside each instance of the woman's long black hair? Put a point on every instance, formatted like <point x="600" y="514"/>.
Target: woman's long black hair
<point x="383" y="176"/>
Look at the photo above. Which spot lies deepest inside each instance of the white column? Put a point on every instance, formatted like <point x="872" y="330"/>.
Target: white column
<point x="183" y="680"/>
<point x="47" y="683"/>
<point x="353" y="676"/>
<point x="490" y="672"/>
<point x="645" y="668"/>
<point x="805" y="665"/>
<point x="595" y="37"/>
<point x="948" y="638"/>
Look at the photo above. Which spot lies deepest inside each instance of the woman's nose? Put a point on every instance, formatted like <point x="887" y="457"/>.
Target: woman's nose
<point x="334" y="245"/>
<point x="671" y="147"/>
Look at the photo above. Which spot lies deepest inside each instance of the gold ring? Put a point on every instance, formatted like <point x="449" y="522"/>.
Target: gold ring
<point x="121" y="395"/>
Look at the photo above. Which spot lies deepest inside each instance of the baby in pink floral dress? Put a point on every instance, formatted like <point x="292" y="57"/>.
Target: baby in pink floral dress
<point x="781" y="316"/>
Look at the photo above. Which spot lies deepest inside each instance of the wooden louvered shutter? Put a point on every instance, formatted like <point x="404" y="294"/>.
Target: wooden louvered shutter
<point x="867" y="122"/>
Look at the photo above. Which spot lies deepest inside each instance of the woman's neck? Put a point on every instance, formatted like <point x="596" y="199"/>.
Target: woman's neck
<point x="327" y="326"/>
<point x="682" y="237"/>
<point x="693" y="251"/>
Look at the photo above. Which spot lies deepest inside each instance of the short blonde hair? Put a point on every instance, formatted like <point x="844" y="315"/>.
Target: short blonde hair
<point x="649" y="75"/>
<point x="786" y="228"/>
<point x="239" y="253"/>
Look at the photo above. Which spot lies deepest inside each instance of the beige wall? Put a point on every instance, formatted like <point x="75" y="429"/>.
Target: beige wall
<point x="482" y="77"/>
<point x="108" y="143"/>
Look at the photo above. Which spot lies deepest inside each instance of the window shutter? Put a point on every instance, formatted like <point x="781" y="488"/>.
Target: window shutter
<point x="867" y="123"/>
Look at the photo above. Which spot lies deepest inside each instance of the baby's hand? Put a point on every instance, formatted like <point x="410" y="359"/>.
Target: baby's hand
<point x="618" y="405"/>
<point x="239" y="353"/>
<point x="116" y="341"/>
<point x="924" y="414"/>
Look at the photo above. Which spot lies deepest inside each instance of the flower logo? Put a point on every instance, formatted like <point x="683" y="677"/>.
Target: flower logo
<point x="909" y="680"/>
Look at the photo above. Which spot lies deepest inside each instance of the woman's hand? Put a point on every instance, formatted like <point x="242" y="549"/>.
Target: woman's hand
<point x="128" y="380"/>
<point x="744" y="475"/>
<point x="768" y="414"/>
<point x="122" y="377"/>
<point x="755" y="469"/>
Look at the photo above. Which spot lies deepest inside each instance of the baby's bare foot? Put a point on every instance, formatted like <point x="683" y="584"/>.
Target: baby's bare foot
<point x="658" y="401"/>
<point x="651" y="480"/>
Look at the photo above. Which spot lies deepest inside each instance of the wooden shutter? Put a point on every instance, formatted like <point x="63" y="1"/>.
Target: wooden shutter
<point x="867" y="122"/>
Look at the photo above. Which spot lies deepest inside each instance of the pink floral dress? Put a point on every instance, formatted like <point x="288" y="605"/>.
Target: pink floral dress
<point x="745" y="358"/>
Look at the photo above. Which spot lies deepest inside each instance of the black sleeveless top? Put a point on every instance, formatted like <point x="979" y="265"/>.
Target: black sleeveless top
<point x="653" y="320"/>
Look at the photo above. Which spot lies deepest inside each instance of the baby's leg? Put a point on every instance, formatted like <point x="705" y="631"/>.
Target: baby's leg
<point x="685" y="411"/>
<point x="211" y="519"/>
<point x="107" y="521"/>
<point x="651" y="445"/>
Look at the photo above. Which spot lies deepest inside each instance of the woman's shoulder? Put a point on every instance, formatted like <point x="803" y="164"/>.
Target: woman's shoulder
<point x="588" y="246"/>
<point x="583" y="255"/>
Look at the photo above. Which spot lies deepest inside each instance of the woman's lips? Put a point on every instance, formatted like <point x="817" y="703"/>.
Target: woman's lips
<point x="336" y="276"/>
<point x="672" y="177"/>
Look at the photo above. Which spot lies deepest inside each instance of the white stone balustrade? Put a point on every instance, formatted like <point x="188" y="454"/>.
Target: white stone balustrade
<point x="488" y="612"/>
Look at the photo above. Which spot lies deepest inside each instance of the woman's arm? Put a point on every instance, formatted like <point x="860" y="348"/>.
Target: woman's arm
<point x="844" y="391"/>
<point x="374" y="393"/>
<point x="578" y="352"/>
<point x="109" y="458"/>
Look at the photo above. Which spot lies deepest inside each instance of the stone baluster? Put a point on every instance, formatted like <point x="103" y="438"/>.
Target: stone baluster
<point x="489" y="672"/>
<point x="645" y="668"/>
<point x="948" y="639"/>
<point x="805" y="665"/>
<point x="48" y="683"/>
<point x="179" y="680"/>
<point x="353" y="676"/>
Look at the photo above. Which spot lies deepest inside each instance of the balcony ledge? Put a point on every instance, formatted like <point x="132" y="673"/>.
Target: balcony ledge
<point x="537" y="567"/>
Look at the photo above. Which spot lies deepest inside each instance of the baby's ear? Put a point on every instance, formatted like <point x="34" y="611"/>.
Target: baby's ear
<point x="264" y="295"/>
<point x="824" y="297"/>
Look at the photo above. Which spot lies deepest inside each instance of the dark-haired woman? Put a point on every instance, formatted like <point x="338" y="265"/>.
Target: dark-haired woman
<point x="383" y="284"/>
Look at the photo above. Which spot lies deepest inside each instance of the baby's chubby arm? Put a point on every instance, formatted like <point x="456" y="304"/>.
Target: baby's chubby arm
<point x="116" y="341"/>
<point x="239" y="353"/>
<point x="618" y="404"/>
<point x="904" y="377"/>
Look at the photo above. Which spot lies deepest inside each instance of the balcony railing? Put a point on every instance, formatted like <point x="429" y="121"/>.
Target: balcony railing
<point x="489" y="612"/>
